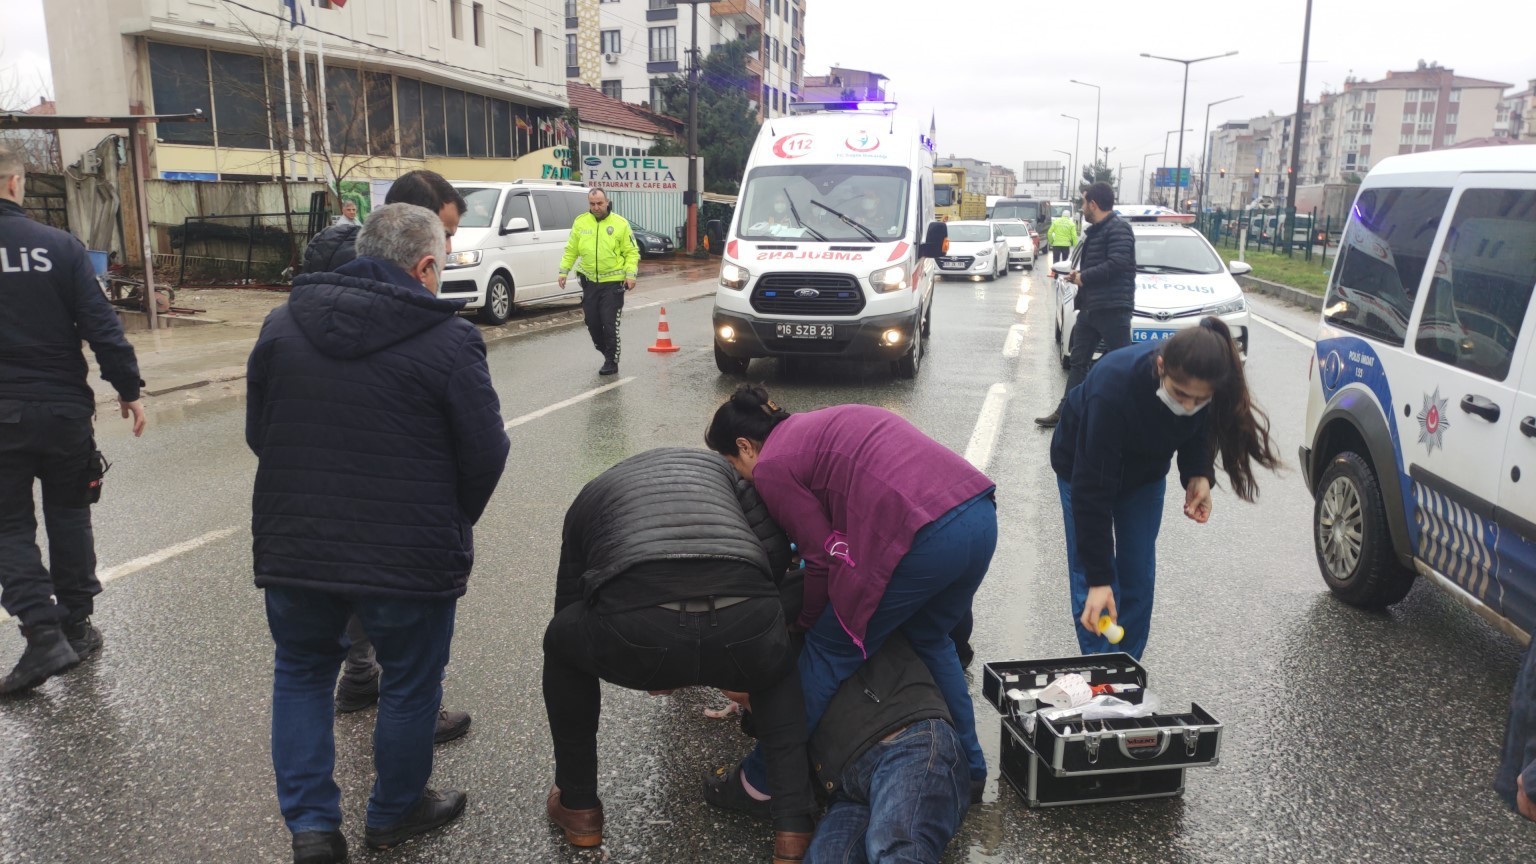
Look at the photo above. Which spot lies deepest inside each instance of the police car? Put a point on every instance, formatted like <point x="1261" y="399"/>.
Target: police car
<point x="1179" y="280"/>
<point x="1420" y="443"/>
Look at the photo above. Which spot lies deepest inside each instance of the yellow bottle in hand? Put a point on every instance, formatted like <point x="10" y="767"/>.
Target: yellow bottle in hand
<point x="1111" y="631"/>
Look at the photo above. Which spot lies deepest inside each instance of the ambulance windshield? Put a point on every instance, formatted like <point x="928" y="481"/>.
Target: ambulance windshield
<point x="832" y="203"/>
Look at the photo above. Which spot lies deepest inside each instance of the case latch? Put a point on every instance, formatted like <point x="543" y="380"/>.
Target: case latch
<point x="1191" y="741"/>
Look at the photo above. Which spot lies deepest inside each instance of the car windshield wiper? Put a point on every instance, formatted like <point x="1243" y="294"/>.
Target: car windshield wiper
<point x="850" y="222"/>
<point x="1169" y="268"/>
<point x="796" y="213"/>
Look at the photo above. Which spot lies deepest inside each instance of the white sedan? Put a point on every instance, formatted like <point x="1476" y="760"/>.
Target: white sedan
<point x="1021" y="243"/>
<point x="1179" y="280"/>
<point x="976" y="249"/>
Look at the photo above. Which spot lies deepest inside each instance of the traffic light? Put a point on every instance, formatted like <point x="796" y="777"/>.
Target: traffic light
<point x="1255" y="172"/>
<point x="1222" y="172"/>
<point x="1288" y="169"/>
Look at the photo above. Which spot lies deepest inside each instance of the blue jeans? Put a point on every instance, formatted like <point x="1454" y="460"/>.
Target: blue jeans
<point x="902" y="801"/>
<point x="1138" y="516"/>
<point x="411" y="638"/>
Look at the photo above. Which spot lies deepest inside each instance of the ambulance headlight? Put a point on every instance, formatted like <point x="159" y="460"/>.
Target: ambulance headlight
<point x="733" y="276"/>
<point x="890" y="279"/>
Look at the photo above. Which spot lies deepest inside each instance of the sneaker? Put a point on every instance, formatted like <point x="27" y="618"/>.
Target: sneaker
<point x="450" y="725"/>
<point x="84" y="638"/>
<point x="350" y="698"/>
<point x="966" y="654"/>
<point x="319" y="847"/>
<point x="48" y="653"/>
<point x="1048" y="421"/>
<point x="609" y="368"/>
<point x="582" y="828"/>
<point x="434" y="810"/>
<point x="723" y="790"/>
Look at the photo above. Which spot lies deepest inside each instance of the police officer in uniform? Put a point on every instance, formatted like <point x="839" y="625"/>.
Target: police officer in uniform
<point x="602" y="242"/>
<point x="49" y="302"/>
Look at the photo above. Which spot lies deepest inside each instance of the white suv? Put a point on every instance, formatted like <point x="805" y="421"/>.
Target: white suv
<point x="1421" y="409"/>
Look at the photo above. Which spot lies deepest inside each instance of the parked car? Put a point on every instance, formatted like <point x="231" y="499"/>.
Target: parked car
<point x="651" y="244"/>
<point x="1420" y="441"/>
<point x="975" y="249"/>
<point x="1020" y="237"/>
<point x="1179" y="280"/>
<point x="508" y="246"/>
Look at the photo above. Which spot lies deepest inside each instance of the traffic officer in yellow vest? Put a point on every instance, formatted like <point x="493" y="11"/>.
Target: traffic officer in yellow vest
<point x="608" y="262"/>
<point x="1062" y="236"/>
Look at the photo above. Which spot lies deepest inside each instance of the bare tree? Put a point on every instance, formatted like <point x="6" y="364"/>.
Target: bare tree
<point x="18" y="90"/>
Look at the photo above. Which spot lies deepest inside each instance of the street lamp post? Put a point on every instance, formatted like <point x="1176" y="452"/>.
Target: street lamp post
<point x="1183" y="103"/>
<point x="1064" y="174"/>
<point x="1177" y="169"/>
<point x="1142" y="180"/>
<point x="1205" y="157"/>
<point x="1098" y="93"/>
<point x="1077" y="144"/>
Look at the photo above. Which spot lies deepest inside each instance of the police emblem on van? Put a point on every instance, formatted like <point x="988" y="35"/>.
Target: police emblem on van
<point x="1432" y="422"/>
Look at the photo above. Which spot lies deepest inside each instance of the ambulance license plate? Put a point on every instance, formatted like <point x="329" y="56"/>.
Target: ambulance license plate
<point x="804" y="331"/>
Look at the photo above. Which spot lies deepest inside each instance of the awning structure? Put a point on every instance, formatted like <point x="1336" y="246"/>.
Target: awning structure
<point x="138" y="156"/>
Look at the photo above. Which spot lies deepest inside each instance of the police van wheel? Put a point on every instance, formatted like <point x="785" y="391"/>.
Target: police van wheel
<point x="1351" y="539"/>
<point x="498" y="301"/>
<point x="729" y="365"/>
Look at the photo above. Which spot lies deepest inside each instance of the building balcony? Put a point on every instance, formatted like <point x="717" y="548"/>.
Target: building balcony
<point x="740" y="12"/>
<point x="754" y="64"/>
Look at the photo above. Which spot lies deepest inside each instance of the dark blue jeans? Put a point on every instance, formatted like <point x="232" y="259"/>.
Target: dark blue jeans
<point x="1138" y="517"/>
<point x="902" y="801"/>
<point x="1520" y="736"/>
<point x="410" y="637"/>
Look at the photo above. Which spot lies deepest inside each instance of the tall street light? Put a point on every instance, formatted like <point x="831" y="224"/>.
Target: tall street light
<point x="1064" y="174"/>
<point x="1301" y="105"/>
<point x="1097" y="94"/>
<point x="1205" y="157"/>
<point x="1142" y="180"/>
<point x="1077" y="144"/>
<point x="1184" y="100"/>
<point x="1177" y="169"/>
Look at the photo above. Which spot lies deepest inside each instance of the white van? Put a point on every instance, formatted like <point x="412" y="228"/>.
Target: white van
<point x="1420" y="444"/>
<point x="831" y="251"/>
<point x="508" y="246"/>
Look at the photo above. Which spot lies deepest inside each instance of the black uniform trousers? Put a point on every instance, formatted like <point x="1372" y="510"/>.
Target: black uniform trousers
<point x="1060" y="253"/>
<point x="54" y="443"/>
<point x="1110" y="326"/>
<point x="602" y="304"/>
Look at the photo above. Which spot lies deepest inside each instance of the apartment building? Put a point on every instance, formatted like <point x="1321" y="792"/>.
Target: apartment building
<point x="1001" y="181"/>
<point x="1516" y="116"/>
<point x="842" y="84"/>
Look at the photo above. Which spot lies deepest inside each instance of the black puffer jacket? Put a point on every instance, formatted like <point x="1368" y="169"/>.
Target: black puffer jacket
<point x="666" y="504"/>
<point x="1108" y="266"/>
<point x="331" y="248"/>
<point x="379" y="436"/>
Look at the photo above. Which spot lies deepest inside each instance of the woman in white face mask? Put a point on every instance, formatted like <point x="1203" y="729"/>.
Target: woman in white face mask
<point x="1120" y="430"/>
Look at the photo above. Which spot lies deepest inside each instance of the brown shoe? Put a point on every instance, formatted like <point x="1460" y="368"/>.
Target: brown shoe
<point x="789" y="847"/>
<point x="582" y="827"/>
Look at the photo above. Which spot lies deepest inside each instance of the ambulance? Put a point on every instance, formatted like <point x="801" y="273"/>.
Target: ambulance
<point x="831" y="253"/>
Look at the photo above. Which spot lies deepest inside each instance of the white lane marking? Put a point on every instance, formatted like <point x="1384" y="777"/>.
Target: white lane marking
<point x="1283" y="330"/>
<point x="1015" y="341"/>
<point x="1023" y="307"/>
<point x="130" y="567"/>
<point x="566" y="403"/>
<point x="988" y="426"/>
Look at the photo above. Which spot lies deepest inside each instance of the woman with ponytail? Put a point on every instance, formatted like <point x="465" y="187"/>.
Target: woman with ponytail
<point x="1119" y="432"/>
<point x="896" y="532"/>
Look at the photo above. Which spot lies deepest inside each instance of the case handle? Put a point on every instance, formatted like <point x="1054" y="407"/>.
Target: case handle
<point x="1142" y="744"/>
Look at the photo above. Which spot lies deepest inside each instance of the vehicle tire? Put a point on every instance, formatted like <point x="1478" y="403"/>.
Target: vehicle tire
<point x="498" y="300"/>
<point x="909" y="364"/>
<point x="927" y="320"/>
<point x="729" y="365"/>
<point x="1351" y="538"/>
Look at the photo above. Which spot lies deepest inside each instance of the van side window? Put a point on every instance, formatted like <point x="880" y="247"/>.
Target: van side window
<point x="517" y="205"/>
<point x="549" y="217"/>
<point x="1385" y="249"/>
<point x="576" y="204"/>
<point x="1482" y="282"/>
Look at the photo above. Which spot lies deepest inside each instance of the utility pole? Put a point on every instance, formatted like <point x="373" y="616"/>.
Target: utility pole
<point x="1098" y="93"/>
<point x="1183" y="104"/>
<point x="1077" y="167"/>
<point x="1301" y="103"/>
<point x="1106" y="160"/>
<point x="692" y="198"/>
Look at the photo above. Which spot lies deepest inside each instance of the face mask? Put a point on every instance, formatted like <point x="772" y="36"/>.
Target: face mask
<point x="778" y="208"/>
<point x="1174" y="406"/>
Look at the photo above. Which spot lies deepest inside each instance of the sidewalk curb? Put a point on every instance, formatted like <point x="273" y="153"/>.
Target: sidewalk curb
<point x="1293" y="296"/>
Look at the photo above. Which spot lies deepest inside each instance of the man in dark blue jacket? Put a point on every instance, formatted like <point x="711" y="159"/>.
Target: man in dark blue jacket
<point x="51" y="301"/>
<point x="1106" y="288"/>
<point x="380" y="441"/>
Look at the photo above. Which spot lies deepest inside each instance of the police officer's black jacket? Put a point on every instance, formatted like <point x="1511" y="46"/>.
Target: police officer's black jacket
<point x="49" y="302"/>
<point x="379" y="436"/>
<point x="891" y="691"/>
<point x="1108" y="266"/>
<point x="668" y="504"/>
<point x="331" y="248"/>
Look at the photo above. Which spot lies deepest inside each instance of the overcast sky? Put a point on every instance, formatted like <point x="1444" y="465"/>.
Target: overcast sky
<point x="997" y="71"/>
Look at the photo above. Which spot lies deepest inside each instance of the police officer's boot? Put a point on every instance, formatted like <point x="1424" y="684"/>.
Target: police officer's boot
<point x="48" y="653"/>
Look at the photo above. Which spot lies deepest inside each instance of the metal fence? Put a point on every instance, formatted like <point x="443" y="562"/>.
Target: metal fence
<point x="238" y="249"/>
<point x="1275" y="230"/>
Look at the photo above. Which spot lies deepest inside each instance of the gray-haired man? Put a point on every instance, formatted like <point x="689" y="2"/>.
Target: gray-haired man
<point x="379" y="441"/>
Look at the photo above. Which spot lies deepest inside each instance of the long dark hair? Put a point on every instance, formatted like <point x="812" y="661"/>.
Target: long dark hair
<point x="1239" y="428"/>
<point x="749" y="414"/>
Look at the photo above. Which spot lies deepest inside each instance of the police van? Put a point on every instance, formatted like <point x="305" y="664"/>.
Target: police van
<point x="831" y="250"/>
<point x="1420" y="446"/>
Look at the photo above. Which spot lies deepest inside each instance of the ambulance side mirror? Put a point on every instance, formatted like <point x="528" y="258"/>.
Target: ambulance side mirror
<point x="936" y="242"/>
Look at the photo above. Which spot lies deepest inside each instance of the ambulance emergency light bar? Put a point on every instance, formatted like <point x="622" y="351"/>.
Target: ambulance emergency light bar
<point x="817" y="107"/>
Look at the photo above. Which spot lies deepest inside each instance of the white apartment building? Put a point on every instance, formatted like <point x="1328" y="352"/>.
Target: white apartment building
<point x="1001" y="181"/>
<point x="1516" y="116"/>
<point x="472" y="90"/>
<point x="626" y="48"/>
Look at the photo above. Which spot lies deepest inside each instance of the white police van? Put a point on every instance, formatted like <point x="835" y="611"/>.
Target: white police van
<point x="1421" y="409"/>
<point x="831" y="250"/>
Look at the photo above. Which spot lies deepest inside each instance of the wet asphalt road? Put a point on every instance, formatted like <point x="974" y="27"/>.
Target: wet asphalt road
<point x="1349" y="736"/>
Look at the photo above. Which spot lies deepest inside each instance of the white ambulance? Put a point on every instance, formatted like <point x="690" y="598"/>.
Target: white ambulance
<point x="831" y="251"/>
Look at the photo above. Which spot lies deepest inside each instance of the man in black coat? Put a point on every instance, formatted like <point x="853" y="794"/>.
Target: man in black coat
<point x="1106" y="292"/>
<point x="380" y="440"/>
<point x="669" y="573"/>
<point x="51" y="302"/>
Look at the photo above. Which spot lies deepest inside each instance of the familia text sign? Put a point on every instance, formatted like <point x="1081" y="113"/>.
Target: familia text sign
<point x="636" y="173"/>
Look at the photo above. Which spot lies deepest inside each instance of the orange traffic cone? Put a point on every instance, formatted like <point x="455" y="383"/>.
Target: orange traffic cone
<point x="663" y="336"/>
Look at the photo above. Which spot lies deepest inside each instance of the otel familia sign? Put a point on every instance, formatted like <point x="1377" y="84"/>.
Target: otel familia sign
<point x="637" y="173"/>
<point x="561" y="171"/>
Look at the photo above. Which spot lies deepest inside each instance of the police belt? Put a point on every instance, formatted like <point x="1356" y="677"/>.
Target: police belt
<point x="702" y="604"/>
